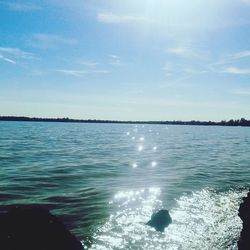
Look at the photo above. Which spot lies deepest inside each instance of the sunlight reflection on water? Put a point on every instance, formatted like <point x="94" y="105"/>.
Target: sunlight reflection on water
<point x="134" y="165"/>
<point x="125" y="226"/>
<point x="203" y="220"/>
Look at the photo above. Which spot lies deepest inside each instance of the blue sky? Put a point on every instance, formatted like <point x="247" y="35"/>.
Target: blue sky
<point x="125" y="60"/>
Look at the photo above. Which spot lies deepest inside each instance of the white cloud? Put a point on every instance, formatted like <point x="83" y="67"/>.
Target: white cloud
<point x="241" y="54"/>
<point x="169" y="69"/>
<point x="188" y="51"/>
<point x="115" y="60"/>
<point x="21" y="7"/>
<point x="80" y="73"/>
<point x="225" y="63"/>
<point x="88" y="63"/>
<point x="240" y="92"/>
<point x="77" y="73"/>
<point x="182" y="71"/>
<point x="117" y="18"/>
<point x="180" y="51"/>
<point x="47" y="41"/>
<point x="17" y="53"/>
<point x="237" y="71"/>
<point x="2" y="58"/>
<point x="231" y="58"/>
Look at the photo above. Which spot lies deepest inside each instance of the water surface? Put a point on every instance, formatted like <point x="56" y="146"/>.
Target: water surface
<point x="105" y="180"/>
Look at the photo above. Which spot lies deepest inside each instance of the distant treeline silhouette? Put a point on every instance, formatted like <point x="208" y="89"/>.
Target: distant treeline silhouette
<point x="240" y="122"/>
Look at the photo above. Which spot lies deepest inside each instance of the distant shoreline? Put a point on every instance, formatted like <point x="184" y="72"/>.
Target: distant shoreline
<point x="241" y="122"/>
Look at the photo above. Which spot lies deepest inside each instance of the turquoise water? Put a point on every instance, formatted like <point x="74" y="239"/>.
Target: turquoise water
<point x="105" y="180"/>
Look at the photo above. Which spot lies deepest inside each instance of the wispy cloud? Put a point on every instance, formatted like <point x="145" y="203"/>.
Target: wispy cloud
<point x="47" y="41"/>
<point x="237" y="71"/>
<point x="21" y="7"/>
<point x="226" y="63"/>
<point x="182" y="71"/>
<point x="180" y="51"/>
<point x="80" y="73"/>
<point x="169" y="69"/>
<point x="90" y="64"/>
<point x="77" y="73"/>
<point x="14" y="55"/>
<point x="231" y="58"/>
<point x="109" y="17"/>
<point x="189" y="73"/>
<point x="244" y="92"/>
<point x="241" y="54"/>
<point x="187" y="51"/>
<point x="115" y="60"/>
<point x="17" y="53"/>
<point x="2" y="58"/>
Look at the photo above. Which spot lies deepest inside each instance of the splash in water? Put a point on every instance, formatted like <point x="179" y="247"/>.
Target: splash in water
<point x="204" y="220"/>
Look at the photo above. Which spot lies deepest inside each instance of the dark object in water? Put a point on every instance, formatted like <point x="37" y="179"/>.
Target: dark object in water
<point x="244" y="213"/>
<point x="29" y="227"/>
<point x="160" y="220"/>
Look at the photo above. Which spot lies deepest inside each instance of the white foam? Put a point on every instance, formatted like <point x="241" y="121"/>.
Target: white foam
<point x="202" y="220"/>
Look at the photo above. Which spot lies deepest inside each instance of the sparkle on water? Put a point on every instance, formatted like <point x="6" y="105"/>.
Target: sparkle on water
<point x="134" y="165"/>
<point x="202" y="220"/>
<point x="153" y="163"/>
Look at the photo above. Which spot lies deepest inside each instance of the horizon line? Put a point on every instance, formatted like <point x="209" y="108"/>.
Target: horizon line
<point x="231" y="122"/>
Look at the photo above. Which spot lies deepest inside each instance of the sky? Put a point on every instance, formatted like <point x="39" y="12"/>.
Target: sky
<point x="125" y="60"/>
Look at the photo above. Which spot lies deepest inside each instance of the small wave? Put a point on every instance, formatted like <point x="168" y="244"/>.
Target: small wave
<point x="203" y="220"/>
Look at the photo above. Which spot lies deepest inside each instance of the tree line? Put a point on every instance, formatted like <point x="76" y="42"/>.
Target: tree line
<point x="239" y="122"/>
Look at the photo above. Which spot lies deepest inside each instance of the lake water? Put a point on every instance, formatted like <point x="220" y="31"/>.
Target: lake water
<point x="105" y="180"/>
